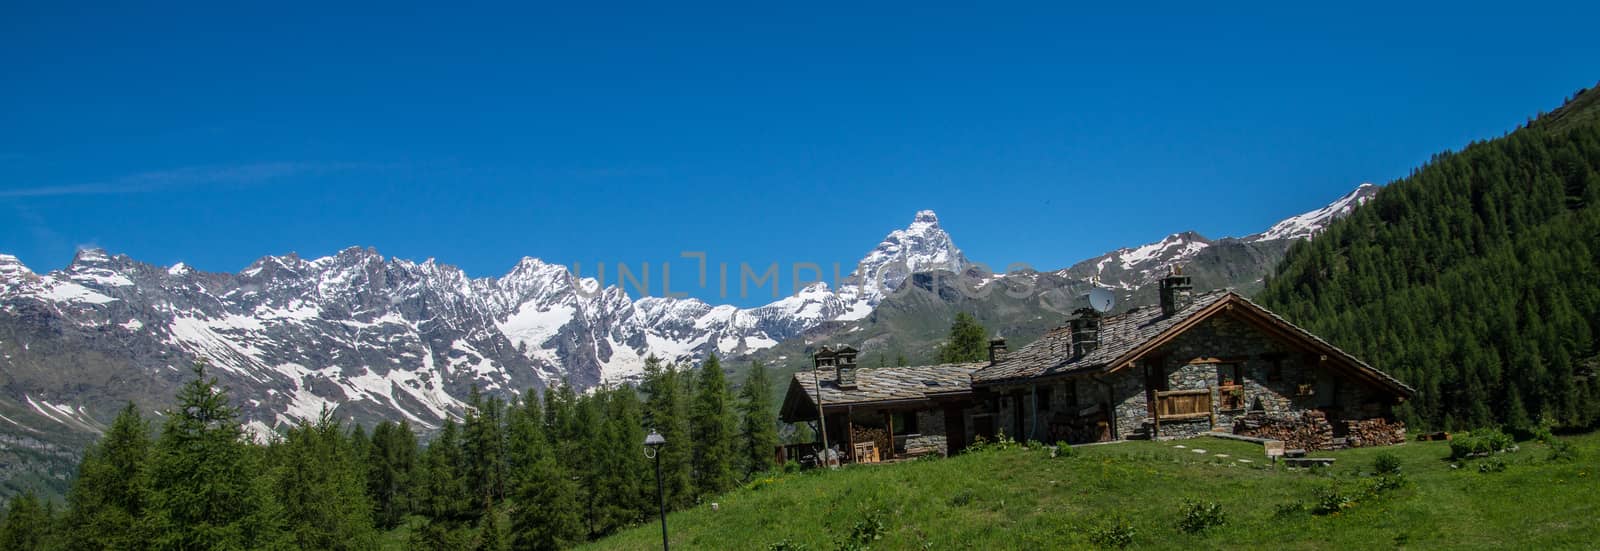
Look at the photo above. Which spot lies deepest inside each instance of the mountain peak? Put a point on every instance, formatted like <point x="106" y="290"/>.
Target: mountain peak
<point x="926" y="217"/>
<point x="90" y="255"/>
<point x="1310" y="223"/>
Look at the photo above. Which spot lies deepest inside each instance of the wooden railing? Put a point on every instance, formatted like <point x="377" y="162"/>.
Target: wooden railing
<point x="1230" y="397"/>
<point x="1183" y="404"/>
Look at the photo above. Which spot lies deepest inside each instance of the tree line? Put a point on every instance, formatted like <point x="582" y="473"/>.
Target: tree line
<point x="1476" y="280"/>
<point x="543" y="471"/>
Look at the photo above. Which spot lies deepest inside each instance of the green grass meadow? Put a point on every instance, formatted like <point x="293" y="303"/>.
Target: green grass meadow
<point x="1025" y="499"/>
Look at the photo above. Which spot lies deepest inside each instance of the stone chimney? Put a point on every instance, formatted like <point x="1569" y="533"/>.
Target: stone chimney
<point x="824" y="358"/>
<point x="846" y="367"/>
<point x="1175" y="292"/>
<point x="1085" y="331"/>
<point x="997" y="349"/>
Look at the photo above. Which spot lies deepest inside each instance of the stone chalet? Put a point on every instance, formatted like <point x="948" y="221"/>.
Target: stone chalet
<point x="1194" y="364"/>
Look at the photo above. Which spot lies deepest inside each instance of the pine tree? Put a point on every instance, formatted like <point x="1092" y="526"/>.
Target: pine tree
<point x="26" y="524"/>
<point x="545" y="504"/>
<point x="322" y="486"/>
<point x="443" y="495"/>
<point x="391" y="460"/>
<point x="484" y="445"/>
<point x="666" y="411"/>
<point x="490" y="535"/>
<point x="546" y="516"/>
<point x="758" y="427"/>
<point x="712" y="427"/>
<point x="109" y="497"/>
<point x="966" y="341"/>
<point x="581" y="459"/>
<point x="623" y="471"/>
<point x="205" y="492"/>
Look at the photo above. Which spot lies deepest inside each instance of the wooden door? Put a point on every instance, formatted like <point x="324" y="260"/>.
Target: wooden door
<point x="955" y="430"/>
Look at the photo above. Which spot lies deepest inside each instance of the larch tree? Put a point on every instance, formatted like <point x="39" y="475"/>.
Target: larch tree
<point x="966" y="342"/>
<point x="205" y="488"/>
<point x="758" y="423"/>
<point x="712" y="427"/>
<point x="109" y="497"/>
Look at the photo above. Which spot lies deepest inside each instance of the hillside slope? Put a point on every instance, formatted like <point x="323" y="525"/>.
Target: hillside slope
<point x="1024" y="499"/>
<point x="1476" y="279"/>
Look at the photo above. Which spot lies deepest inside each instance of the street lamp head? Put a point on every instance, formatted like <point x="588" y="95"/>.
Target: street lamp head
<point x="654" y="440"/>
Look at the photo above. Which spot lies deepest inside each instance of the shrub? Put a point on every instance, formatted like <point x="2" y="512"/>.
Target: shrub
<point x="1388" y="482"/>
<point x="1289" y="509"/>
<point x="1061" y="449"/>
<point x="1495" y="465"/>
<point x="1001" y="442"/>
<point x="1561" y="450"/>
<point x="1330" y="500"/>
<point x="867" y="530"/>
<point x="1114" y="533"/>
<point x="1479" y="443"/>
<point x="1200" y="515"/>
<point x="1386" y="463"/>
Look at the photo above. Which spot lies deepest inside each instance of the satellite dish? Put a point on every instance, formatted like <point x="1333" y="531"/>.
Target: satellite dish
<point x="1101" y="299"/>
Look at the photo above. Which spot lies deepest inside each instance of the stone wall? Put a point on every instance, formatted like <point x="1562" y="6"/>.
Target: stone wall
<point x="1274" y="379"/>
<point x="931" y="434"/>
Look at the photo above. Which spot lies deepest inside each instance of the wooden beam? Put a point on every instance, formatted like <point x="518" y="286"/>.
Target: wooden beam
<point x="1198" y="360"/>
<point x="888" y="419"/>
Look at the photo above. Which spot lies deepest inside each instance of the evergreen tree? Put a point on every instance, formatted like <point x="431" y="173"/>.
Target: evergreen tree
<point x="27" y="523"/>
<point x="490" y="536"/>
<point x="391" y="460"/>
<point x="966" y="341"/>
<point x="484" y="444"/>
<point x="443" y="495"/>
<point x="205" y="492"/>
<point x="109" y="497"/>
<point x="666" y="411"/>
<point x="581" y="457"/>
<point x="712" y="428"/>
<point x="623" y="472"/>
<point x="544" y="514"/>
<point x="758" y="426"/>
<point x="322" y="485"/>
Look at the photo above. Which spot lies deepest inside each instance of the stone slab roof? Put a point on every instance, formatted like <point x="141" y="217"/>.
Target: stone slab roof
<point x="1119" y="334"/>
<point x="890" y="383"/>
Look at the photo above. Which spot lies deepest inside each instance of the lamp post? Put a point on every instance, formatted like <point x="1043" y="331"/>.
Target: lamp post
<point x="652" y="449"/>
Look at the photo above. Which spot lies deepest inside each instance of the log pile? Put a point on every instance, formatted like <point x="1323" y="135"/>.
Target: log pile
<point x="1374" y="432"/>
<point x="875" y="435"/>
<point x="1307" y="431"/>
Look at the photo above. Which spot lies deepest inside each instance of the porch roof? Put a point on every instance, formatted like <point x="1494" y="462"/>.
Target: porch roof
<point x="883" y="386"/>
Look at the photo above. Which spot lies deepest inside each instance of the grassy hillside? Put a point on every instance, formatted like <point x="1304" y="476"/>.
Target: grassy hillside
<point x="1024" y="499"/>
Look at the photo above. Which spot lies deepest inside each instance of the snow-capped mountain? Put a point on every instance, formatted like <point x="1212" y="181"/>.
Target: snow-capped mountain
<point x="1135" y="267"/>
<point x="392" y="338"/>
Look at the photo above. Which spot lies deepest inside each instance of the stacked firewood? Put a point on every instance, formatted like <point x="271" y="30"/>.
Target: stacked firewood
<point x="1374" y="432"/>
<point x="875" y="435"/>
<point x="1307" y="431"/>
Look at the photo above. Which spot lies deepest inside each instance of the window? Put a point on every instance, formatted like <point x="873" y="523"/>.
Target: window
<point x="1230" y="374"/>
<point x="905" y="422"/>
<point x="1041" y="398"/>
<point x="1070" y="395"/>
<point x="1275" y="371"/>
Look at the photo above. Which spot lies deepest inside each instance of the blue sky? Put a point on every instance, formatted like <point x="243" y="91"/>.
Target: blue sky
<point x="1041" y="135"/>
